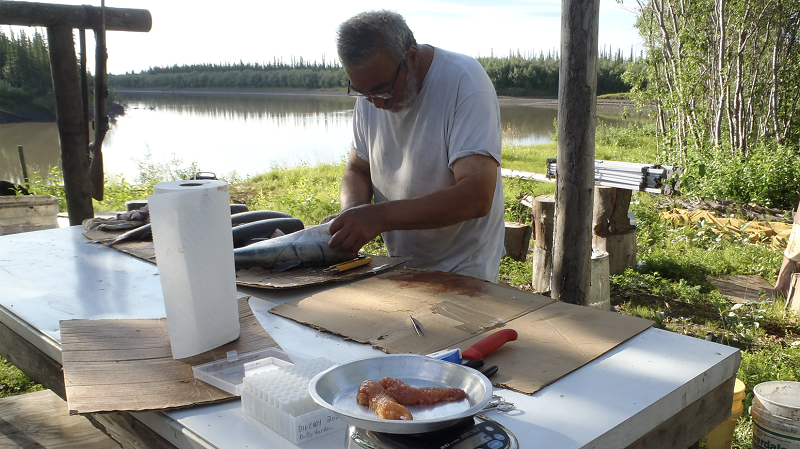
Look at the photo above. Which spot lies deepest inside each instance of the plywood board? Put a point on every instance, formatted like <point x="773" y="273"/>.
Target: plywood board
<point x="554" y="341"/>
<point x="127" y="365"/>
<point x="450" y="308"/>
<point x="743" y="288"/>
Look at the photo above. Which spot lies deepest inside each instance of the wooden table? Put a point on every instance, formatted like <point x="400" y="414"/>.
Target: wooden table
<point x="659" y="389"/>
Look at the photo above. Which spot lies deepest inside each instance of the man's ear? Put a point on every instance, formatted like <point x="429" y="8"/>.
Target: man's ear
<point x="413" y="57"/>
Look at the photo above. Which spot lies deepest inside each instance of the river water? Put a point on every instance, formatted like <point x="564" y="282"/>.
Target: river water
<point x="223" y="133"/>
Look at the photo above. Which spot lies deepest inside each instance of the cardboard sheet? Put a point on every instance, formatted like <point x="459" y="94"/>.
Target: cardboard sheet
<point x="259" y="277"/>
<point x="127" y="365"/>
<point x="300" y="277"/>
<point x="457" y="311"/>
<point x="378" y="310"/>
<point x="554" y="341"/>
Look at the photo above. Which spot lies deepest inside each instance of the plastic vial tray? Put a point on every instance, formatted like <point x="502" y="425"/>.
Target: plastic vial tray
<point x="228" y="374"/>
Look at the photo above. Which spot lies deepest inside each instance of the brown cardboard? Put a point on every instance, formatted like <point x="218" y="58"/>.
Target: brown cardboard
<point x="303" y="276"/>
<point x="127" y="365"/>
<point x="378" y="310"/>
<point x="555" y="340"/>
<point x="259" y="277"/>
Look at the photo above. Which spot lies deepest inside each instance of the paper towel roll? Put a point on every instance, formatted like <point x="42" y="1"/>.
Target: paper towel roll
<point x="191" y="223"/>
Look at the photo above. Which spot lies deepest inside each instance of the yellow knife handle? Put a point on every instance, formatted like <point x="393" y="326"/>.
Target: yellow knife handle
<point x="344" y="266"/>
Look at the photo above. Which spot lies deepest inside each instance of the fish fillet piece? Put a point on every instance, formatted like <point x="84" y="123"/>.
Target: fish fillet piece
<point x="407" y="395"/>
<point x="368" y="389"/>
<point x="372" y="393"/>
<point x="387" y="408"/>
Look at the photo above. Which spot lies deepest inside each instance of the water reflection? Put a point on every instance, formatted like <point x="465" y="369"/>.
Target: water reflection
<point x="248" y="133"/>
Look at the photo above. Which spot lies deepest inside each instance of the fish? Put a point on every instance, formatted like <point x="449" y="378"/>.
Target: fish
<point x="144" y="232"/>
<point x="257" y="231"/>
<point x="238" y="208"/>
<point x="308" y="247"/>
<point x="256" y="215"/>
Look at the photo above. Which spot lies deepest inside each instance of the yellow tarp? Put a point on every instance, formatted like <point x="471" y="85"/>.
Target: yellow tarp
<point x="772" y="232"/>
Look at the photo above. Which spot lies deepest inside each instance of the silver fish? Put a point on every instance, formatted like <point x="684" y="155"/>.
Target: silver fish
<point x="308" y="247"/>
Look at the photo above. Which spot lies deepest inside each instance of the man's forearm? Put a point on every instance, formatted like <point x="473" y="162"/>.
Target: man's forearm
<point x="445" y="207"/>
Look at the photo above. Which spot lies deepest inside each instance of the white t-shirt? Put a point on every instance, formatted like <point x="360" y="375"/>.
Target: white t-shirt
<point x="411" y="154"/>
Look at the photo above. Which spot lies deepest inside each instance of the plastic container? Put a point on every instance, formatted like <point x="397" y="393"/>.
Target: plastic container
<point x="228" y="374"/>
<point x="722" y="436"/>
<point x="25" y="213"/>
<point x="280" y="400"/>
<point x="776" y="415"/>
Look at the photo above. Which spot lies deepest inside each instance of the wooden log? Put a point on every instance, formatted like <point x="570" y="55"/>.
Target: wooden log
<point x="544" y="208"/>
<point x="612" y="229"/>
<point x="21" y="152"/>
<point x="621" y="249"/>
<point x="517" y="240"/>
<point x="71" y="123"/>
<point x="577" y="106"/>
<point x="83" y="16"/>
<point x="610" y="212"/>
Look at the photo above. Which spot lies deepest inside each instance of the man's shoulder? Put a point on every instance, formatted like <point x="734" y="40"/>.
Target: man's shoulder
<point x="458" y="59"/>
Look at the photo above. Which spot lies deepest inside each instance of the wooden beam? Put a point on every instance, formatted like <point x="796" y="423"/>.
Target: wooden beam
<point x="577" y="106"/>
<point x="83" y="16"/>
<point x="32" y="361"/>
<point x="71" y="123"/>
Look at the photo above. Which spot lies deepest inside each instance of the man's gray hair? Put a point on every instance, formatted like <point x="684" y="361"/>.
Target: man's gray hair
<point x="363" y="36"/>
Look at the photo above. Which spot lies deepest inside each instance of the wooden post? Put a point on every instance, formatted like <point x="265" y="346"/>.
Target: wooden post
<point x="612" y="229"/>
<point x="60" y="20"/>
<point x="577" y="105"/>
<point x="83" y="16"/>
<point x="100" y="111"/>
<point x="71" y="124"/>
<point x="24" y="166"/>
<point x="544" y="209"/>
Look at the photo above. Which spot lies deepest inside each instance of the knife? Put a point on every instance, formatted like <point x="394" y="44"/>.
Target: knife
<point x="477" y="351"/>
<point x="489" y="344"/>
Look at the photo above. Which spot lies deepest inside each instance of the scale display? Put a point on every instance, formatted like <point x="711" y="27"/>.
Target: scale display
<point x="471" y="433"/>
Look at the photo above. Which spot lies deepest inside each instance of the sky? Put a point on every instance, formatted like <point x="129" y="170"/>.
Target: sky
<point x="259" y="30"/>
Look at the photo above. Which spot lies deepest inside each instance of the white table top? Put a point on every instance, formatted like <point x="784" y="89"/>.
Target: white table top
<point x="54" y="275"/>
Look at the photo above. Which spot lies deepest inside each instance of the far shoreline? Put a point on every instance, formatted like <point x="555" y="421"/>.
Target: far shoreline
<point x="604" y="105"/>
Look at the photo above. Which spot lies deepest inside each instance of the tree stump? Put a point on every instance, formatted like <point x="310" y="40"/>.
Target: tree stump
<point x="544" y="210"/>
<point x="517" y="240"/>
<point x="611" y="228"/>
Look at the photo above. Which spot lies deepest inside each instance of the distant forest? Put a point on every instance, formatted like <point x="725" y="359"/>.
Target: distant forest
<point x="25" y="85"/>
<point x="515" y="73"/>
<point x="26" y="88"/>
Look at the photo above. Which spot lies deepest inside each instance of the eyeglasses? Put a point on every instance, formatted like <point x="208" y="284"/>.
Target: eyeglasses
<point x="383" y="96"/>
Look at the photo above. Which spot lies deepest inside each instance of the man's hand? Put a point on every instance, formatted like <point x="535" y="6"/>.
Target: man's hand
<point x="355" y="227"/>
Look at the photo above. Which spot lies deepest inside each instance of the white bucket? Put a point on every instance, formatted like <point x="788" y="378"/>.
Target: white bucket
<point x="776" y="415"/>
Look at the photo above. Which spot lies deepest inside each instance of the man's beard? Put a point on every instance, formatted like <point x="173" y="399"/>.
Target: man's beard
<point x="411" y="94"/>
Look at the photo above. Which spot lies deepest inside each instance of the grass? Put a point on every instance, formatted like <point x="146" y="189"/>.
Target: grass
<point x="13" y="381"/>
<point x="669" y="286"/>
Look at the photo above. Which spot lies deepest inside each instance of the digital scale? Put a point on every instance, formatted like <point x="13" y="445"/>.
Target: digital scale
<point x="474" y="432"/>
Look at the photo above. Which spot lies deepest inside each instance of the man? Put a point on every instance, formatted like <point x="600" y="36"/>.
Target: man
<point x="426" y="148"/>
<point x="791" y="257"/>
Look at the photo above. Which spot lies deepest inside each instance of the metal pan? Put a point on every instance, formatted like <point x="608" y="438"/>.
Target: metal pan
<point x="336" y="389"/>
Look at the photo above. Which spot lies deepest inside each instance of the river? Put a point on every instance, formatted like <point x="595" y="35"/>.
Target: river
<point x="223" y="133"/>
